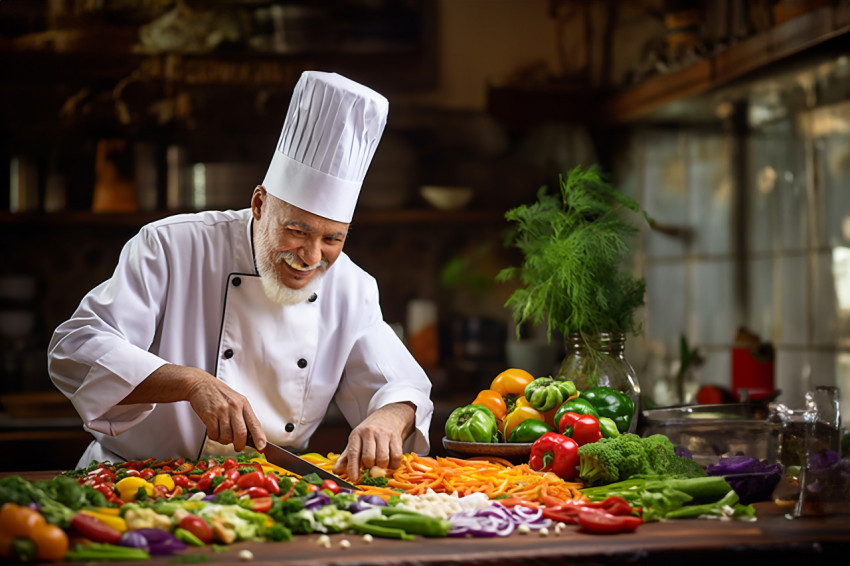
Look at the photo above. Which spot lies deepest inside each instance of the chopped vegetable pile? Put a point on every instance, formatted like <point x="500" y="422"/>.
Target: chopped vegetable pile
<point x="138" y="509"/>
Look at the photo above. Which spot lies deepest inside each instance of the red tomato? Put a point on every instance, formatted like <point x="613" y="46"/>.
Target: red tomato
<point x="330" y="485"/>
<point x="272" y="484"/>
<point x="197" y="527"/>
<point x="180" y="479"/>
<point x="261" y="504"/>
<point x="251" y="479"/>
<point x="226" y="484"/>
<point x="147" y="473"/>
<point x="231" y="474"/>
<point x="598" y="521"/>
<point x="230" y="463"/>
<point x="255" y="492"/>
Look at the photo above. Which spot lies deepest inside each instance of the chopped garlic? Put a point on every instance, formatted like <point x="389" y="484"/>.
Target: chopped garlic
<point x="344" y="543"/>
<point x="523" y="529"/>
<point x="367" y="538"/>
<point x="324" y="540"/>
<point x="544" y="532"/>
<point x="246" y="555"/>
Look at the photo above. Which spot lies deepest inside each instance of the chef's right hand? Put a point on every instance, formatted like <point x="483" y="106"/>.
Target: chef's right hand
<point x="226" y="413"/>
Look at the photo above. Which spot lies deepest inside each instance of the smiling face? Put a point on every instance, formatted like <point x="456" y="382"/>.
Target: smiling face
<point x="293" y="247"/>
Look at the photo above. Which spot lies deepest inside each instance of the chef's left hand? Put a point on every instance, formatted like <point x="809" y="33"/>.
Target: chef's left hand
<point x="377" y="440"/>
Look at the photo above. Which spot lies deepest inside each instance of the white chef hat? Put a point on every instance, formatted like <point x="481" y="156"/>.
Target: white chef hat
<point x="330" y="133"/>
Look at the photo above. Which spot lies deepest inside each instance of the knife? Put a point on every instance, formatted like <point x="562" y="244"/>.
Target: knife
<point x="297" y="465"/>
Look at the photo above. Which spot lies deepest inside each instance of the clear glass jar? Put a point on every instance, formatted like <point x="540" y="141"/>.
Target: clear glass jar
<point x="599" y="360"/>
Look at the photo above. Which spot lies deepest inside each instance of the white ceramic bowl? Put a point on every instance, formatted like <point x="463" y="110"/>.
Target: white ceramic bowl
<point x="447" y="198"/>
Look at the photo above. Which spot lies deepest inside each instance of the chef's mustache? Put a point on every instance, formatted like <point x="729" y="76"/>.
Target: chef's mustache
<point x="295" y="262"/>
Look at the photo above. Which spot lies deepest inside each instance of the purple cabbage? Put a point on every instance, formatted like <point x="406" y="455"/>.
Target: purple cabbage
<point x="752" y="479"/>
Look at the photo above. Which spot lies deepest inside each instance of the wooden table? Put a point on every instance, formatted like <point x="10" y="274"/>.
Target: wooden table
<point x="771" y="539"/>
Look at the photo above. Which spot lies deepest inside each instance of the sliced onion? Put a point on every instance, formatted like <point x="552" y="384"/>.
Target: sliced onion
<point x="496" y="520"/>
<point x="487" y="522"/>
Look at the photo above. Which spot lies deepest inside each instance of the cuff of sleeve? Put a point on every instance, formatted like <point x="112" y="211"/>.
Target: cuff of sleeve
<point x="111" y="379"/>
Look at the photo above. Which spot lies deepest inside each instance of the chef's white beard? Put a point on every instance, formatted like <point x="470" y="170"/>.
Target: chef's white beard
<point x="279" y="293"/>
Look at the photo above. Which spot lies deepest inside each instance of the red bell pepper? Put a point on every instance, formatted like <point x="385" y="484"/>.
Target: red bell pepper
<point x="556" y="453"/>
<point x="584" y="429"/>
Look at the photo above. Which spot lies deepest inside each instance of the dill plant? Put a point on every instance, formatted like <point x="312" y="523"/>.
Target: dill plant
<point x="573" y="244"/>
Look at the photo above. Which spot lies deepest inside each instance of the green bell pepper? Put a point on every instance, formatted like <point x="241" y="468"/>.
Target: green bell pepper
<point x="613" y="404"/>
<point x="608" y="428"/>
<point x="578" y="405"/>
<point x="472" y="423"/>
<point x="529" y="430"/>
<point x="546" y="393"/>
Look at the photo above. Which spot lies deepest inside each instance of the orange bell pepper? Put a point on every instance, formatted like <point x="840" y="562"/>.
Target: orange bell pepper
<point x="494" y="401"/>
<point x="521" y="412"/>
<point x="512" y="381"/>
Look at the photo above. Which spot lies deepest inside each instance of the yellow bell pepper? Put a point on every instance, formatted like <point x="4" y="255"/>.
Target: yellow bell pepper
<point x="522" y="411"/>
<point x="269" y="467"/>
<point x="114" y="521"/>
<point x="164" y="480"/>
<point x="129" y="486"/>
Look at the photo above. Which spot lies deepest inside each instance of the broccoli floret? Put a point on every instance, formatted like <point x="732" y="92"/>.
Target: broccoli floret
<point x="659" y="452"/>
<point x="616" y="459"/>
<point x="684" y="467"/>
<point x="600" y="462"/>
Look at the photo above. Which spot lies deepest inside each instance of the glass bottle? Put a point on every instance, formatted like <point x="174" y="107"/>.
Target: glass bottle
<point x="599" y="360"/>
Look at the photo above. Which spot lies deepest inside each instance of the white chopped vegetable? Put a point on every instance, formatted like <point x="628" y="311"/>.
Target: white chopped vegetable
<point x="367" y="538"/>
<point x="544" y="532"/>
<point x="246" y="555"/>
<point x="523" y="529"/>
<point x="344" y="543"/>
<point x="324" y="540"/>
<point x="559" y="527"/>
<point x="443" y="505"/>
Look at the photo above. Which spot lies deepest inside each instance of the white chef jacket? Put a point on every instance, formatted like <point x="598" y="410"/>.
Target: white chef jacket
<point x="186" y="291"/>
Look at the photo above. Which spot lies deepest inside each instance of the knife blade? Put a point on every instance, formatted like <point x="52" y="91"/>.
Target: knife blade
<point x="297" y="465"/>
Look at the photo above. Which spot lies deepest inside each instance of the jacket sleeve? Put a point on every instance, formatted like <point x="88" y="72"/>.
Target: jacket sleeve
<point x="380" y="370"/>
<point x="98" y="356"/>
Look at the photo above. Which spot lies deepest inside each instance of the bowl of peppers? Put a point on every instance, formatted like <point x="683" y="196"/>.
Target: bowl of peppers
<point x="505" y="420"/>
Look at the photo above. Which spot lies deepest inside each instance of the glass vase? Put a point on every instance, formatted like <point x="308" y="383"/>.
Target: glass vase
<point x="599" y="360"/>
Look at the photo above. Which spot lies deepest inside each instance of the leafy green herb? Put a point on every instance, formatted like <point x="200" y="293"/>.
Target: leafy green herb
<point x="574" y="243"/>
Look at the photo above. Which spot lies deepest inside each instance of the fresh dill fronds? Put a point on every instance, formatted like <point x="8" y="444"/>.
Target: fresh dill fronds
<point x="574" y="244"/>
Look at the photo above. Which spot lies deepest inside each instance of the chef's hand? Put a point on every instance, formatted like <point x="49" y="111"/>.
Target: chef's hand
<point x="226" y="413"/>
<point x="377" y="440"/>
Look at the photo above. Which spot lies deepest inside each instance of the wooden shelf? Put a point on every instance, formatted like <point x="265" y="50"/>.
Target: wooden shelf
<point x="787" y="39"/>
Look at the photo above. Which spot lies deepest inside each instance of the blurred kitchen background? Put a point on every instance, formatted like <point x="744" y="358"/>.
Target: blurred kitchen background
<point x="728" y="121"/>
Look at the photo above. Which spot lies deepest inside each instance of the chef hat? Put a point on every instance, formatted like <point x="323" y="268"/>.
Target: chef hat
<point x="329" y="136"/>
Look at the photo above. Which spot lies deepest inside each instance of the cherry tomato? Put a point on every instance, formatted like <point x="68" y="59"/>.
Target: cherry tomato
<point x="330" y="485"/>
<point x="232" y="474"/>
<point x="272" y="484"/>
<point x="147" y="473"/>
<point x="197" y="527"/>
<point x="251" y="479"/>
<point x="255" y="492"/>
<point x="180" y="479"/>
<point x="230" y="463"/>
<point x="51" y="541"/>
<point x="226" y="484"/>
<point x="261" y="504"/>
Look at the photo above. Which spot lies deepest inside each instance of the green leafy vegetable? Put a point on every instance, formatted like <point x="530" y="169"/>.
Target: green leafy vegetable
<point x="574" y="244"/>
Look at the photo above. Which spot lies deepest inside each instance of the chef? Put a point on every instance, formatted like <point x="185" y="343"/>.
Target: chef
<point x="220" y="326"/>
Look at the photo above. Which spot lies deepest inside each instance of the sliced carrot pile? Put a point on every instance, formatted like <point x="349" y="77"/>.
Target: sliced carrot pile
<point x="492" y="476"/>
